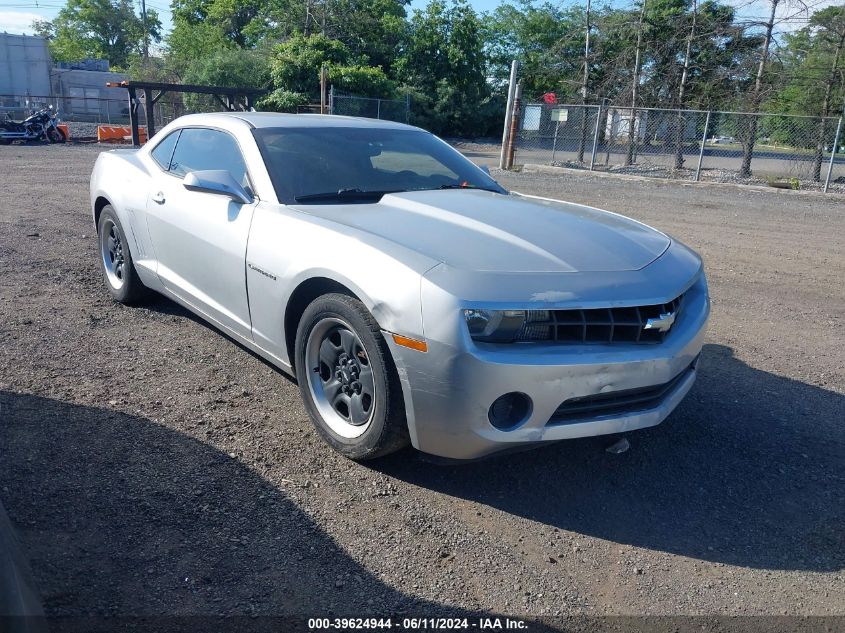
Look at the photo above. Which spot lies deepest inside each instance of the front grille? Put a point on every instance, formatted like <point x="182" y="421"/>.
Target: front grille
<point x="598" y="325"/>
<point x="616" y="403"/>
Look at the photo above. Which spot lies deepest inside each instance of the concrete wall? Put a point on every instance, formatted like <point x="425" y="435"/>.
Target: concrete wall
<point x="27" y="77"/>
<point x="24" y="65"/>
<point x="86" y="97"/>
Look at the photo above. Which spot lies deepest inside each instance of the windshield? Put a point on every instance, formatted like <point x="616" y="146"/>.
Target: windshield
<point x="312" y="165"/>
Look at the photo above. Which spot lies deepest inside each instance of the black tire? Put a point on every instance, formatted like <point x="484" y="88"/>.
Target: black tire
<point x="387" y="429"/>
<point x="55" y="135"/>
<point x="129" y="290"/>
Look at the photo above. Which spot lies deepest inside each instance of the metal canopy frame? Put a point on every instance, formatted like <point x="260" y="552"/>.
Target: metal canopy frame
<point x="233" y="99"/>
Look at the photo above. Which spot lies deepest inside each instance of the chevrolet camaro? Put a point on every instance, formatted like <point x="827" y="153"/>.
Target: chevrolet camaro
<point x="414" y="299"/>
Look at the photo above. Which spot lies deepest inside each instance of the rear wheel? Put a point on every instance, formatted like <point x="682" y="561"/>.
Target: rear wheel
<point x="116" y="260"/>
<point x="348" y="380"/>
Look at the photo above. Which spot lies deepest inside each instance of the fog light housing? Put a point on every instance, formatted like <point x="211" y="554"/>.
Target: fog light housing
<point x="509" y="411"/>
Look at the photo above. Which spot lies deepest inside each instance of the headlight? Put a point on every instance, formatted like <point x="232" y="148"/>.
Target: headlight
<point x="509" y="326"/>
<point x="494" y="326"/>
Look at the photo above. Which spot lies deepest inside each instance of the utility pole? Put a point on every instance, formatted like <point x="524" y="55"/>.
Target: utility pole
<point x="146" y="32"/>
<point x="584" y="83"/>
<point x="514" y="126"/>
<point x="635" y="88"/>
<point x="506" y="131"/>
<point x="323" y="85"/>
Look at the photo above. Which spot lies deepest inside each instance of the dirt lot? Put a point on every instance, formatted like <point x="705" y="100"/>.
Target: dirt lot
<point x="153" y="466"/>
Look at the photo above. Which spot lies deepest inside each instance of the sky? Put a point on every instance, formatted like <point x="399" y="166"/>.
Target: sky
<point x="17" y="16"/>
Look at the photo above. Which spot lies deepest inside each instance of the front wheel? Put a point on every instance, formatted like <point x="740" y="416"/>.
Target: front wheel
<point x="55" y="135"/>
<point x="348" y="380"/>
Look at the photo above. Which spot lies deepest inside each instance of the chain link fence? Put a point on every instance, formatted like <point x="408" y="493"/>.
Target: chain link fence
<point x="83" y="114"/>
<point x="771" y="149"/>
<point x="370" y="107"/>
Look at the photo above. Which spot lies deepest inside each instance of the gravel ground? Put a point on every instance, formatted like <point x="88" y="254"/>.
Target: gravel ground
<point x="152" y="466"/>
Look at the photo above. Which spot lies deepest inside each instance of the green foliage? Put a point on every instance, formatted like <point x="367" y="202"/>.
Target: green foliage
<point x="547" y="40"/>
<point x="151" y="69"/>
<point x="813" y="70"/>
<point x="367" y="81"/>
<point x="443" y="64"/>
<point x="281" y="100"/>
<point x="229" y="68"/>
<point x="297" y="62"/>
<point x="454" y="63"/>
<point x="228" y="20"/>
<point x="101" y="29"/>
<point x="370" y="29"/>
<point x="188" y="42"/>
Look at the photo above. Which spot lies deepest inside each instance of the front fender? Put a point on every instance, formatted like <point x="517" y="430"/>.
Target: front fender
<point x="288" y="247"/>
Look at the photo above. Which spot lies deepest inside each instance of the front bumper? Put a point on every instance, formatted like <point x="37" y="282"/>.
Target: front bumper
<point x="448" y="390"/>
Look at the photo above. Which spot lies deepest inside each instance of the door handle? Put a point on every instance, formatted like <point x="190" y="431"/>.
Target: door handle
<point x="158" y="198"/>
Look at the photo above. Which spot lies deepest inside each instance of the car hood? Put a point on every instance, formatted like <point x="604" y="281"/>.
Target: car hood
<point x="485" y="231"/>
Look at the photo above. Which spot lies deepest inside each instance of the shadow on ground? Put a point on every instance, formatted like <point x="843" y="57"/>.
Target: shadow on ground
<point x="748" y="471"/>
<point x="121" y="516"/>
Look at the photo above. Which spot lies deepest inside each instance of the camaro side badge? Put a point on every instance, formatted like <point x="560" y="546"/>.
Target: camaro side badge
<point x="266" y="274"/>
<point x="662" y="323"/>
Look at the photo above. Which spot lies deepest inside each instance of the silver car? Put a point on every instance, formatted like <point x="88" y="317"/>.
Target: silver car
<point x="413" y="298"/>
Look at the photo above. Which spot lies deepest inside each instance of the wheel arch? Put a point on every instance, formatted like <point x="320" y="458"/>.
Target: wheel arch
<point x="99" y="204"/>
<point x="301" y="297"/>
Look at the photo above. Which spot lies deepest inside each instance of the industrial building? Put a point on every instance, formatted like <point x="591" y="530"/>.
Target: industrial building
<point x="30" y="80"/>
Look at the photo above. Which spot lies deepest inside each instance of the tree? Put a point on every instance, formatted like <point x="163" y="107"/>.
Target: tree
<point x="442" y="66"/>
<point x="680" y="124"/>
<point x="721" y="57"/>
<point x="231" y="68"/>
<point x="201" y="28"/>
<point x="546" y="39"/>
<point x="228" y="19"/>
<point x="296" y="65"/>
<point x="102" y="29"/>
<point x="748" y="131"/>
<point x="188" y="42"/>
<point x="281" y="100"/>
<point x="369" y="28"/>
<point x="813" y="63"/>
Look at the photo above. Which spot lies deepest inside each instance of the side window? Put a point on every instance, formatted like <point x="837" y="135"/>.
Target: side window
<point x="199" y="149"/>
<point x="164" y="150"/>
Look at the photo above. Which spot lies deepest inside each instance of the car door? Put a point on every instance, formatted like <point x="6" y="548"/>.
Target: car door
<point x="200" y="238"/>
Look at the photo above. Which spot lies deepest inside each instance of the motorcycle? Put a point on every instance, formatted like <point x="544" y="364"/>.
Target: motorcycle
<point x="40" y="125"/>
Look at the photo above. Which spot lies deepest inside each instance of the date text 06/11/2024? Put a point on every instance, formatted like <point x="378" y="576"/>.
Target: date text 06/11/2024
<point x="417" y="624"/>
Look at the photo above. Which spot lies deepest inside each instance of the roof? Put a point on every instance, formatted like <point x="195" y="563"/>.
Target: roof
<point x="277" y="119"/>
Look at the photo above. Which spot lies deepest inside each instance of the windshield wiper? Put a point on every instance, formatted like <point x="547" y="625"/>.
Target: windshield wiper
<point x="468" y="187"/>
<point x="346" y="194"/>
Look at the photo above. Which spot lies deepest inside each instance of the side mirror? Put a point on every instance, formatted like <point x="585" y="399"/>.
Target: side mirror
<point x="485" y="169"/>
<point x="217" y="181"/>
